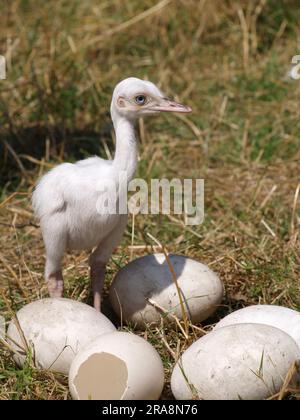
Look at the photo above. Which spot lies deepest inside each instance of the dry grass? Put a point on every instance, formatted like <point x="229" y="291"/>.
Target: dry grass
<point x="228" y="60"/>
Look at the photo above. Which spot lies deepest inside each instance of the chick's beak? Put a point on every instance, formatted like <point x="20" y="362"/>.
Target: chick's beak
<point x="166" y="105"/>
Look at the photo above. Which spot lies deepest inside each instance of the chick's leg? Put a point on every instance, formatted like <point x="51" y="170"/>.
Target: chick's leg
<point x="55" y="243"/>
<point x="55" y="283"/>
<point x="97" y="273"/>
<point x="100" y="257"/>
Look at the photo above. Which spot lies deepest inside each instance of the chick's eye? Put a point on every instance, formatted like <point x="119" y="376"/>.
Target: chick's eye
<point x="140" y="99"/>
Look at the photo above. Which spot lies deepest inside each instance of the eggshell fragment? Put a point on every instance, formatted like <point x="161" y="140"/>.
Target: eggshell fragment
<point x="243" y="361"/>
<point x="280" y="317"/>
<point x="117" y="366"/>
<point x="146" y="284"/>
<point x="55" y="330"/>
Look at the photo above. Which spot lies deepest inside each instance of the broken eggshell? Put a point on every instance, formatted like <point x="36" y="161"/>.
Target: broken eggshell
<point x="145" y="286"/>
<point x="238" y="362"/>
<point x="55" y="330"/>
<point x="117" y="366"/>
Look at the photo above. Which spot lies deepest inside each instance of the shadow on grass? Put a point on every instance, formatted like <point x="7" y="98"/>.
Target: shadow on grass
<point x="22" y="150"/>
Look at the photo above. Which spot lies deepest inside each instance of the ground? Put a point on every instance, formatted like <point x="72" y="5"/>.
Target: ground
<point x="229" y="61"/>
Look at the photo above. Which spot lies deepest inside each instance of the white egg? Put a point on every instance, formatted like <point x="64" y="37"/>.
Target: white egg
<point x="55" y="330"/>
<point x="117" y="366"/>
<point x="280" y="317"/>
<point x="243" y="361"/>
<point x="150" y="277"/>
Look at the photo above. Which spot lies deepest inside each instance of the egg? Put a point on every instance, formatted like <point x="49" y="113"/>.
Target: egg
<point x="243" y="361"/>
<point x="149" y="278"/>
<point x="55" y="330"/>
<point x="280" y="317"/>
<point x="117" y="366"/>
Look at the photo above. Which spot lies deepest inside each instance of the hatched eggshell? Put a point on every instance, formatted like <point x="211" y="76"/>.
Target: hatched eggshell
<point x="149" y="277"/>
<point x="280" y="317"/>
<point x="55" y="330"/>
<point x="117" y="366"/>
<point x="243" y="361"/>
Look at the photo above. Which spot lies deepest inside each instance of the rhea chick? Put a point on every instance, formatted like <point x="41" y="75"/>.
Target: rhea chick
<point x="67" y="199"/>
